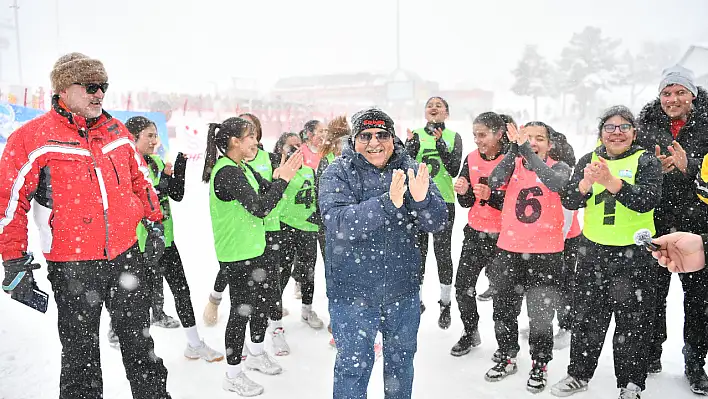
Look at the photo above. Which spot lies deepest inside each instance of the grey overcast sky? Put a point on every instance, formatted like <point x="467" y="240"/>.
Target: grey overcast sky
<point x="187" y="45"/>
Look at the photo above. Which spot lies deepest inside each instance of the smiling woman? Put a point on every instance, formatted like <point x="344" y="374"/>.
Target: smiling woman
<point x="616" y="130"/>
<point x="619" y="185"/>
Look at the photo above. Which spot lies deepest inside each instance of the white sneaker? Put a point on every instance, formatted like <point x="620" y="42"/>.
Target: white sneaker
<point x="242" y="385"/>
<point x="280" y="346"/>
<point x="263" y="363"/>
<point x="505" y="367"/>
<point x="203" y="352"/>
<point x="632" y="391"/>
<point x="312" y="319"/>
<point x="568" y="386"/>
<point x="562" y="339"/>
<point x="298" y="291"/>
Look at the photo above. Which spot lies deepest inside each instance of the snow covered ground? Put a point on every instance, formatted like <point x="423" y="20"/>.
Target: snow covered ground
<point x="30" y="349"/>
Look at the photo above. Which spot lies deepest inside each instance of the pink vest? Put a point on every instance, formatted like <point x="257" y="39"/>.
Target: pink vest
<point x="482" y="217"/>
<point x="532" y="216"/>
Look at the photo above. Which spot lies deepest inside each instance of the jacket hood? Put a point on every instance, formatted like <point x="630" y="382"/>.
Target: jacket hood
<point x="652" y="114"/>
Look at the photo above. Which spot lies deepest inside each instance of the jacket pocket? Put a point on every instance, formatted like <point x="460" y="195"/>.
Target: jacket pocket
<point x="115" y="170"/>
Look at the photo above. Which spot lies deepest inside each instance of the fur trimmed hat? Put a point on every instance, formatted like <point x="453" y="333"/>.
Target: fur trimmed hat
<point x="76" y="68"/>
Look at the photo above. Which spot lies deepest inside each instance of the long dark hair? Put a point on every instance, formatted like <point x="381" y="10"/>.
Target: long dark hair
<point x="137" y="124"/>
<point x="218" y="139"/>
<point x="256" y="124"/>
<point x="495" y="123"/>
<point x="278" y="149"/>
<point x="561" y="150"/>
<point x="508" y="119"/>
<point x="308" y="129"/>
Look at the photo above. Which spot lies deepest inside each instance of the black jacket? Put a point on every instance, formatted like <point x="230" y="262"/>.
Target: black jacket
<point x="170" y="185"/>
<point x="680" y="208"/>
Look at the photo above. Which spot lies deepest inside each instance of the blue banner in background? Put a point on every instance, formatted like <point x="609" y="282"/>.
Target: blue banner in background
<point x="13" y="116"/>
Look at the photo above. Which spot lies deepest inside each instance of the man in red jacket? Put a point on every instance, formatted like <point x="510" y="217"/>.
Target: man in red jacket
<point x="90" y="191"/>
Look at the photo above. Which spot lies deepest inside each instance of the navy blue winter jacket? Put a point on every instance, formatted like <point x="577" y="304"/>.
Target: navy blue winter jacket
<point x="371" y="251"/>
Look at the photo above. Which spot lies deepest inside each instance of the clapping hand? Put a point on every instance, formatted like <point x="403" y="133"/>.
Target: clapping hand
<point x="398" y="188"/>
<point x="418" y="185"/>
<point x="288" y="168"/>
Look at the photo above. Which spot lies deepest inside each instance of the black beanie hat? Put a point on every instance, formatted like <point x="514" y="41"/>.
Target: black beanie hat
<point x="371" y="118"/>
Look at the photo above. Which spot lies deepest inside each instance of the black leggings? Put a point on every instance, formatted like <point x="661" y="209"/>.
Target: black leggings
<point x="170" y="266"/>
<point x="300" y="250"/>
<point x="442" y="246"/>
<point x="249" y="297"/>
<point x="478" y="251"/>
<point x="272" y="258"/>
<point x="566" y="284"/>
<point x="536" y="276"/>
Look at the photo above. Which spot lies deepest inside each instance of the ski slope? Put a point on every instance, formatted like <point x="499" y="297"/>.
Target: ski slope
<point x="30" y="348"/>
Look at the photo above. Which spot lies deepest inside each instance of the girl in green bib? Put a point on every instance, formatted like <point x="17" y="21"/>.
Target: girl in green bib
<point x="239" y="201"/>
<point x="619" y="185"/>
<point x="168" y="182"/>
<point x="299" y="226"/>
<point x="441" y="149"/>
<point x="264" y="164"/>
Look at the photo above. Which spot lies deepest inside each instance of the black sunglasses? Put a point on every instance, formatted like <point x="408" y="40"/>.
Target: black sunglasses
<point x="365" y="137"/>
<point x="611" y="127"/>
<point x="92" y="88"/>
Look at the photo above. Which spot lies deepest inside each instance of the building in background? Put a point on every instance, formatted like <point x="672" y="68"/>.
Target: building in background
<point x="402" y="93"/>
<point x="696" y="59"/>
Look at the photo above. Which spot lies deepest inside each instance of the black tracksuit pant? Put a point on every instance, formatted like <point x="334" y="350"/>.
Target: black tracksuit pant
<point x="249" y="296"/>
<point x="299" y="257"/>
<point x="533" y="275"/>
<point x="171" y="268"/>
<point x="479" y="250"/>
<point x="442" y="246"/>
<point x="80" y="289"/>
<point x="272" y="258"/>
<point x="566" y="283"/>
<point x="615" y="281"/>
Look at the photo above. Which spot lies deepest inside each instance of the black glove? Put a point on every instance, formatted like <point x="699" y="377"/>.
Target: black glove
<point x="19" y="281"/>
<point x="155" y="242"/>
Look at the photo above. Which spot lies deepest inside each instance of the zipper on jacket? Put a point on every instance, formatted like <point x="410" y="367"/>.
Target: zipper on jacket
<point x="63" y="142"/>
<point x="104" y="201"/>
<point x="114" y="169"/>
<point x="152" y="206"/>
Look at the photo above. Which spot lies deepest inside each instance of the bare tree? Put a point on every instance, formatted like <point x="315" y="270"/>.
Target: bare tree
<point x="589" y="60"/>
<point x="532" y="76"/>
